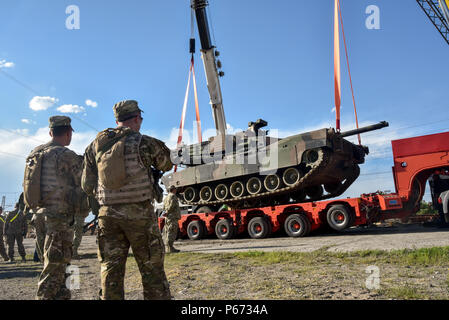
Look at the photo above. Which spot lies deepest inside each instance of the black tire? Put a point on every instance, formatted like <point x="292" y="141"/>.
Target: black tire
<point x="339" y="217"/>
<point x="203" y="209"/>
<point x="224" y="229"/>
<point x="258" y="228"/>
<point x="297" y="225"/>
<point x="195" y="230"/>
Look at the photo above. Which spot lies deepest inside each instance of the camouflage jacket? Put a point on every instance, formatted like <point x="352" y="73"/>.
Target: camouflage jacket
<point x="15" y="223"/>
<point x="69" y="169"/>
<point x="171" y="206"/>
<point x="153" y="153"/>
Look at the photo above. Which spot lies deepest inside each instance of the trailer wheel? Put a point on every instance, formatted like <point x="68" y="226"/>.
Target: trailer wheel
<point x="203" y="209"/>
<point x="224" y="229"/>
<point x="297" y="225"/>
<point x="195" y="230"/>
<point x="258" y="228"/>
<point x="339" y="217"/>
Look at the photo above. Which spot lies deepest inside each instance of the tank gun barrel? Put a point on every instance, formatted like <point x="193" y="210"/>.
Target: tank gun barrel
<point x="373" y="127"/>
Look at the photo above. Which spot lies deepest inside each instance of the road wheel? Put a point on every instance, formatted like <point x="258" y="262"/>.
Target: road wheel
<point x="272" y="182"/>
<point x="237" y="189"/>
<point x="339" y="217"/>
<point x="312" y="156"/>
<point x="258" y="228"/>
<point x="221" y="192"/>
<point x="291" y="176"/>
<point x="224" y="229"/>
<point x="195" y="230"/>
<point x="297" y="225"/>
<point x="206" y="194"/>
<point x="190" y="195"/>
<point x="254" y="185"/>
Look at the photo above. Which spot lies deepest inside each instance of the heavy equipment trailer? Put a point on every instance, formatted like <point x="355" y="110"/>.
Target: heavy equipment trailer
<point x="415" y="161"/>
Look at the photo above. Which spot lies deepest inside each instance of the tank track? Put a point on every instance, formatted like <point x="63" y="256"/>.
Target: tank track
<point x="325" y="157"/>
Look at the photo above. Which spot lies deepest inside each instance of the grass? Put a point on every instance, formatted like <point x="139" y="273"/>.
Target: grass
<point x="405" y="274"/>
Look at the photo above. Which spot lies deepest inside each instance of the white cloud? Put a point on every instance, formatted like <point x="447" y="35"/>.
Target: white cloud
<point x="91" y="103"/>
<point x="42" y="103"/>
<point x="15" y="145"/>
<point x="70" y="108"/>
<point x="27" y="121"/>
<point x="6" y="64"/>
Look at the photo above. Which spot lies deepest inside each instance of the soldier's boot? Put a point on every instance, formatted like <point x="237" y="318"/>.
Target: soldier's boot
<point x="11" y="260"/>
<point x="6" y="258"/>
<point x="172" y="249"/>
<point x="24" y="259"/>
<point x="36" y="256"/>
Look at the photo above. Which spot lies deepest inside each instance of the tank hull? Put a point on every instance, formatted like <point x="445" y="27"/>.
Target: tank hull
<point x="295" y="168"/>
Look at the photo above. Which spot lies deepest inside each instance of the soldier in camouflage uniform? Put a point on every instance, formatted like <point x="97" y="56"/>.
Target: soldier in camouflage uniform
<point x="78" y="226"/>
<point x="172" y="216"/>
<point x="38" y="222"/>
<point x="60" y="182"/>
<point x="2" y="242"/>
<point x="126" y="215"/>
<point x="15" y="229"/>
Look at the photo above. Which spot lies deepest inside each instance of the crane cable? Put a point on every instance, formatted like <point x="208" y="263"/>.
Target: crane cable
<point x="337" y="68"/>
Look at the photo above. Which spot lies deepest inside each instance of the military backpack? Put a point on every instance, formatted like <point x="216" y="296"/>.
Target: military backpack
<point x="110" y="157"/>
<point x="32" y="180"/>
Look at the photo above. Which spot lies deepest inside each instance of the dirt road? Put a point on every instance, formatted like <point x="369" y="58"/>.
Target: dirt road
<point x="373" y="238"/>
<point x="19" y="280"/>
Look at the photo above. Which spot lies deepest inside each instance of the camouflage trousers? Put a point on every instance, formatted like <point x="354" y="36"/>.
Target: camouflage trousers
<point x="11" y="240"/>
<point x="40" y="230"/>
<point x="78" y="230"/>
<point x="115" y="237"/>
<point x="2" y="248"/>
<point x="170" y="231"/>
<point x="57" y="255"/>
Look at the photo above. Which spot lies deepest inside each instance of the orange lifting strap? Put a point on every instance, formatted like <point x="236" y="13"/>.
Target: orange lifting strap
<point x="337" y="80"/>
<point x="184" y="108"/>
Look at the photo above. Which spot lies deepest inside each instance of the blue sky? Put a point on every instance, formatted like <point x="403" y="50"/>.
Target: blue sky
<point x="278" y="63"/>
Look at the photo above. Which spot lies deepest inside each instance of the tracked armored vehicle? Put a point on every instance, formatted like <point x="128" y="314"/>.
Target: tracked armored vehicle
<point x="257" y="170"/>
<point x="252" y="169"/>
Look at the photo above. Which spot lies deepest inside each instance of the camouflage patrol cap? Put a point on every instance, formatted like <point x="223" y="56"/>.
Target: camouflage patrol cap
<point x="126" y="108"/>
<point x="59" y="121"/>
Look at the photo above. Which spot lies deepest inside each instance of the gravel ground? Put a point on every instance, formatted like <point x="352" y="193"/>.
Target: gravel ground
<point x="210" y="278"/>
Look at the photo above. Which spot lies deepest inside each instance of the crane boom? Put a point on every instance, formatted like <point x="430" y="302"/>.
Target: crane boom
<point x="208" y="54"/>
<point x="433" y="11"/>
